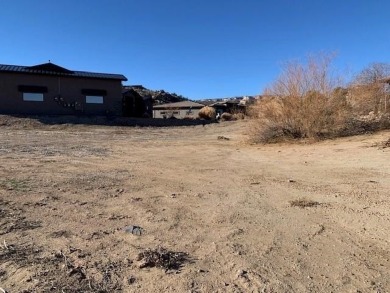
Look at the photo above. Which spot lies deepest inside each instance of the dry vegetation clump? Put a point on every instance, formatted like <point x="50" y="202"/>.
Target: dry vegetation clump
<point x="386" y="144"/>
<point x="368" y="92"/>
<point x="226" y="116"/>
<point x="232" y="116"/>
<point x="57" y="272"/>
<point x="238" y="116"/>
<point x="311" y="116"/>
<point x="304" y="203"/>
<point x="207" y="113"/>
<point x="369" y="98"/>
<point x="383" y="144"/>
<point x="162" y="258"/>
<point x="308" y="102"/>
<point x="302" y="103"/>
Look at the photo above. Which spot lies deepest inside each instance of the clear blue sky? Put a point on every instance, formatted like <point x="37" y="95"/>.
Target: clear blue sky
<point x="197" y="48"/>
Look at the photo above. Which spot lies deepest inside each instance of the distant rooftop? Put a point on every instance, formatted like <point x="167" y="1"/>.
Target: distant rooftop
<point x="53" y="69"/>
<point x="179" y="105"/>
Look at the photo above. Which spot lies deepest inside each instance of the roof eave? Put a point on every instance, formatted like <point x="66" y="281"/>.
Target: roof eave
<point x="119" y="77"/>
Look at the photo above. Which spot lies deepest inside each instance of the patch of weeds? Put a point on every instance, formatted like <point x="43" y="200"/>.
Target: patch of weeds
<point x="19" y="254"/>
<point x="221" y="137"/>
<point x="382" y="144"/>
<point x="162" y="258"/>
<point x="13" y="219"/>
<point x="304" y="203"/>
<point x="386" y="144"/>
<point x="20" y="224"/>
<point x="3" y="274"/>
<point x="58" y="272"/>
<point x="14" y="184"/>
<point x="60" y="233"/>
<point x="76" y="279"/>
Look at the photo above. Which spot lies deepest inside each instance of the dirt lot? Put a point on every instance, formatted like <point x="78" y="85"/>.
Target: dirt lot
<point x="232" y="217"/>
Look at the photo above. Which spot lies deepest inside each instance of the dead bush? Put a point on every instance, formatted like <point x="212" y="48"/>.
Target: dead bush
<point x="311" y="116"/>
<point x="162" y="258"/>
<point x="369" y="98"/>
<point x="207" y="113"/>
<point x="303" y="203"/>
<point x="369" y="91"/>
<point x="238" y="116"/>
<point x="226" y="116"/>
<point x="386" y="144"/>
<point x="383" y="144"/>
<point x="366" y="124"/>
<point x="302" y="103"/>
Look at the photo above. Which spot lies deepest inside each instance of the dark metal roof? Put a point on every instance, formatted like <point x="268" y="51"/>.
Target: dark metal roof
<point x="53" y="69"/>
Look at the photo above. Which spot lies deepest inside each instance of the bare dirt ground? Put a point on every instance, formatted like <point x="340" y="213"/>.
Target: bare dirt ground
<point x="221" y="215"/>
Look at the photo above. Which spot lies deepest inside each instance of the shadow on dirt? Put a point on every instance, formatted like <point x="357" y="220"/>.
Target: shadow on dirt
<point x="34" y="120"/>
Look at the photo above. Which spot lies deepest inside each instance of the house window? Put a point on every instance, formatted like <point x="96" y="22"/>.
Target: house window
<point x="32" y="93"/>
<point x="94" y="99"/>
<point x="33" y="97"/>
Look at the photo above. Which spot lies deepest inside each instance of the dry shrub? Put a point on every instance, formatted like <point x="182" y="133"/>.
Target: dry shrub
<point x="232" y="116"/>
<point x="238" y="116"/>
<point x="369" y="98"/>
<point x="369" y="91"/>
<point x="304" y="203"/>
<point x="226" y="116"/>
<point x="386" y="144"/>
<point x="383" y="144"/>
<point x="361" y="124"/>
<point x="162" y="258"/>
<point x="301" y="103"/>
<point x="308" y="101"/>
<point x="311" y="116"/>
<point x="207" y="113"/>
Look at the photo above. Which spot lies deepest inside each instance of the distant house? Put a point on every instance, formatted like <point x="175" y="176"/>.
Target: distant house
<point x="231" y="106"/>
<point x="180" y="110"/>
<point x="49" y="89"/>
<point x="135" y="105"/>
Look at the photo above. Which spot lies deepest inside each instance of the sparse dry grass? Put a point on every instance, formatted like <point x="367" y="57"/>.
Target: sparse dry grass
<point x="162" y="258"/>
<point x="304" y="203"/>
<point x="238" y="116"/>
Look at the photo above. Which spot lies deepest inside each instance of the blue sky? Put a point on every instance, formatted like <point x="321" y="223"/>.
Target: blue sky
<point x="200" y="49"/>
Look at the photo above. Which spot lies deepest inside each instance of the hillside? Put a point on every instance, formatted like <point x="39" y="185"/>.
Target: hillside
<point x="158" y="97"/>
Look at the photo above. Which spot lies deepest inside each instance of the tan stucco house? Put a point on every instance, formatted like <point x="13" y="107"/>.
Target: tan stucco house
<point x="180" y="110"/>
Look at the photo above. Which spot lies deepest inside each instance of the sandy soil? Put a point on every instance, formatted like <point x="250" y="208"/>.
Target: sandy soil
<point x="68" y="192"/>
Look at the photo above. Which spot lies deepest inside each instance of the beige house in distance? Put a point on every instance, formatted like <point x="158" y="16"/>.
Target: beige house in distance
<point x="179" y="110"/>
